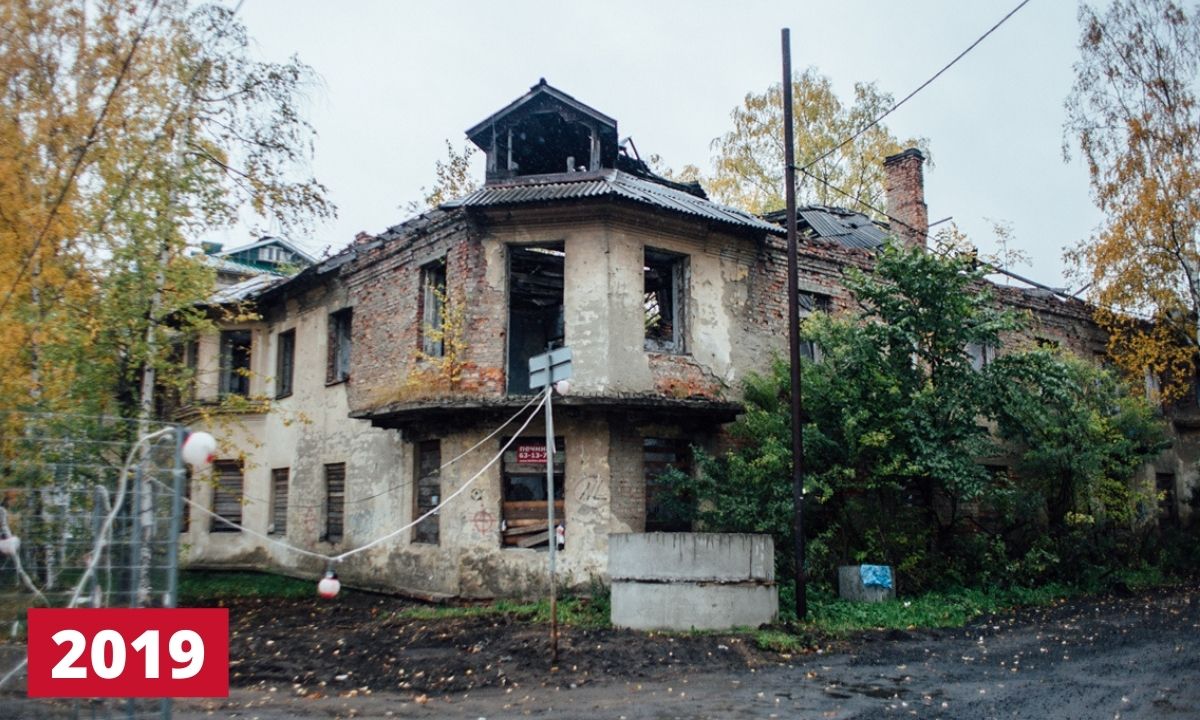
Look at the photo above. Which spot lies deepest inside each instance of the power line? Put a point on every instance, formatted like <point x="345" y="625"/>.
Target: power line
<point x="910" y="96"/>
<point x="79" y="156"/>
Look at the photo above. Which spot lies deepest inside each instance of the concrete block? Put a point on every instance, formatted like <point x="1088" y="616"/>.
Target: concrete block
<point x="850" y="587"/>
<point x="691" y="557"/>
<point x="687" y="606"/>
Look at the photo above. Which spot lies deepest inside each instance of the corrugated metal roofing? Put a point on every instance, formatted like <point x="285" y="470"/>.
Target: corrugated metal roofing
<point x="247" y="289"/>
<point x="844" y="226"/>
<point x="613" y="183"/>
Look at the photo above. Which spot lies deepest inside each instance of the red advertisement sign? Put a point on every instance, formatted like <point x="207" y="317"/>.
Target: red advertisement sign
<point x="128" y="652"/>
<point x="531" y="453"/>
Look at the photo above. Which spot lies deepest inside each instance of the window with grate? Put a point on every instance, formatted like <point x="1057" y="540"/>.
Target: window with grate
<point x="227" y="496"/>
<point x="285" y="363"/>
<point x="666" y="509"/>
<point x="337" y="366"/>
<point x="429" y="490"/>
<point x="279" y="501"/>
<point x="335" y="502"/>
<point x="433" y="297"/>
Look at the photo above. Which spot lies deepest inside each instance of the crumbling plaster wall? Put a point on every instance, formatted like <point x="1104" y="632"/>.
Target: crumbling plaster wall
<point x="302" y="432"/>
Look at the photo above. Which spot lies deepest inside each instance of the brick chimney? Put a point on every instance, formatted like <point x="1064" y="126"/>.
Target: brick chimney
<point x="905" y="187"/>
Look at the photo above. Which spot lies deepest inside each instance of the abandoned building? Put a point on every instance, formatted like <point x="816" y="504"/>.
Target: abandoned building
<point x="366" y="372"/>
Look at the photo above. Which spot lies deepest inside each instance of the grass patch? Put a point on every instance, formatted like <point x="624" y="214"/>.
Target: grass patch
<point x="206" y="585"/>
<point x="582" y="612"/>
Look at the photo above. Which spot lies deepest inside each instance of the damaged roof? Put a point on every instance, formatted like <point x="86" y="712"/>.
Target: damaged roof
<point x="846" y="227"/>
<point x="609" y="183"/>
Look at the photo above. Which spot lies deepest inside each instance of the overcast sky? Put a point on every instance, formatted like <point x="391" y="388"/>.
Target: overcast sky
<point x="401" y="78"/>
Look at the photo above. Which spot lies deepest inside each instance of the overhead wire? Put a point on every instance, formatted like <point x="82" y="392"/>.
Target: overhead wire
<point x="407" y="483"/>
<point x="875" y="121"/>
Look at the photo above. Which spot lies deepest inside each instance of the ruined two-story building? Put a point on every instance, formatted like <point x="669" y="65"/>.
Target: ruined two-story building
<point x="368" y="372"/>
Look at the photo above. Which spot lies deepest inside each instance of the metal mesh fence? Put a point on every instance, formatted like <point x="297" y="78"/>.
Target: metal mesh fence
<point x="60" y="478"/>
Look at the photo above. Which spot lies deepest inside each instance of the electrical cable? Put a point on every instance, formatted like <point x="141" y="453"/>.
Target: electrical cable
<point x="407" y="483"/>
<point x="858" y="133"/>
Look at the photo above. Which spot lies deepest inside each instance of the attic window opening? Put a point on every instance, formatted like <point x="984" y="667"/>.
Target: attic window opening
<point x="665" y="280"/>
<point x="547" y="143"/>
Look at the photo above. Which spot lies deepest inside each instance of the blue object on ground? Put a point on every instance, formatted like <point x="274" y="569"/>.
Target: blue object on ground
<point x="880" y="575"/>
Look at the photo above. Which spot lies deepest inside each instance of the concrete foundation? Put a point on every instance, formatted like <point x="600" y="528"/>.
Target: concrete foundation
<point x="683" y="581"/>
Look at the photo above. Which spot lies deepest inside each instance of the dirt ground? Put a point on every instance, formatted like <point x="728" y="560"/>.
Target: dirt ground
<point x="1113" y="657"/>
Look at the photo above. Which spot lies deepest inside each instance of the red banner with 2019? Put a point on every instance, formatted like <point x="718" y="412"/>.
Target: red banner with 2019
<point x="125" y="652"/>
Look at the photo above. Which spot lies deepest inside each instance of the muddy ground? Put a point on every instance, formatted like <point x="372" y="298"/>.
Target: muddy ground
<point x="1112" y="657"/>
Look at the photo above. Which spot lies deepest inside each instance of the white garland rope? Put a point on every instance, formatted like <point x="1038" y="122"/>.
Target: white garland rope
<point x="332" y="559"/>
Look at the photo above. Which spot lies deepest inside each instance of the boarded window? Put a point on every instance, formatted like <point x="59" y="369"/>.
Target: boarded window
<point x="667" y="510"/>
<point x="524" y="508"/>
<point x="335" y="502"/>
<point x="235" y="363"/>
<point x="433" y="297"/>
<point x="279" y="501"/>
<point x="429" y="490"/>
<point x="664" y="300"/>
<point x="337" y="367"/>
<point x="285" y="363"/>
<point x="227" y="496"/>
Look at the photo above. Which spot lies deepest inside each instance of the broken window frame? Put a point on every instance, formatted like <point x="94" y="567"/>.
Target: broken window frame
<point x="980" y="355"/>
<point x="433" y="299"/>
<point x="427" y="471"/>
<point x="807" y="303"/>
<point x="236" y="353"/>
<point x="285" y="363"/>
<point x="665" y="330"/>
<point x="523" y="519"/>
<point x="337" y="365"/>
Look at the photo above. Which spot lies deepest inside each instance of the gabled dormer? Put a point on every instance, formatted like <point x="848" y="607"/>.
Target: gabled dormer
<point x="545" y="132"/>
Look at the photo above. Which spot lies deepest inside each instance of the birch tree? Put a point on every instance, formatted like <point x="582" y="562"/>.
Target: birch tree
<point x="1134" y="117"/>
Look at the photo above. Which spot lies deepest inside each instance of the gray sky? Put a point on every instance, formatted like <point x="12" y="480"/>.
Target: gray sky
<point x="400" y="78"/>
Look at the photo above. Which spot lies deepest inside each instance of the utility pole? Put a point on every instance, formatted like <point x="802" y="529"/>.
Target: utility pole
<point x="789" y="174"/>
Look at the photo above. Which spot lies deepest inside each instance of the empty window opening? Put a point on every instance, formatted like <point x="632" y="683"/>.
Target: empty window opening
<point x="535" y="308"/>
<point x="523" y="509"/>
<point x="285" y="363"/>
<point x="429" y="490"/>
<point x="433" y="300"/>
<point x="1168" y="505"/>
<point x="235" y="363"/>
<point x="809" y="303"/>
<point x="667" y="507"/>
<point x="335" y="502"/>
<point x="337" y="366"/>
<point x="227" y="496"/>
<point x="279" y="501"/>
<point x="981" y="355"/>
<point x="546" y="143"/>
<point x="664" y="300"/>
